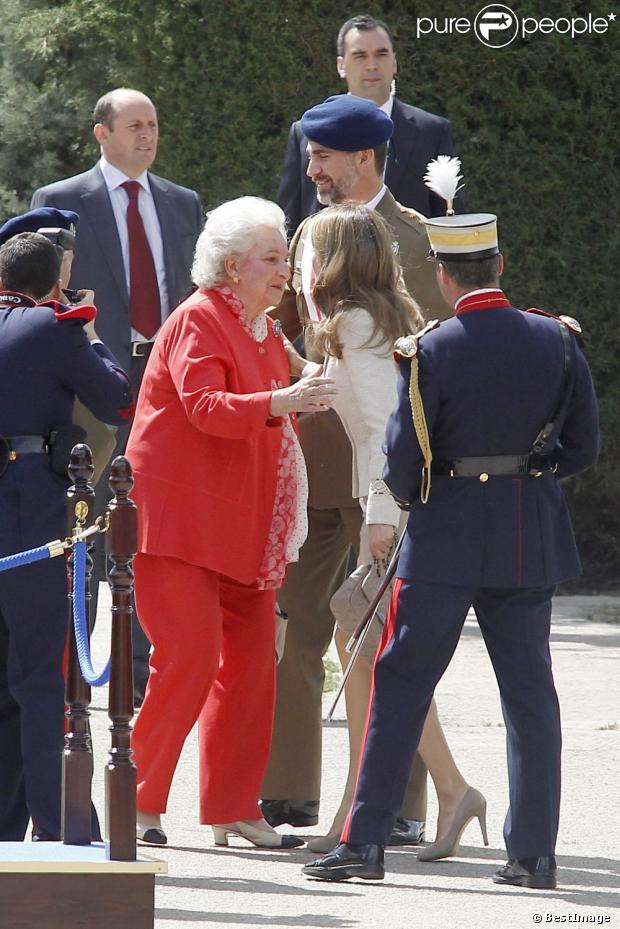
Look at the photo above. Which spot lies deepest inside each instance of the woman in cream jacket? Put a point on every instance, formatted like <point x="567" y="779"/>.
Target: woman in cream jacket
<point x="359" y="291"/>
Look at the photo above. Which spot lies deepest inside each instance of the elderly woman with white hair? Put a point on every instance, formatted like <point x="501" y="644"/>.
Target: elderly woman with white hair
<point x="221" y="488"/>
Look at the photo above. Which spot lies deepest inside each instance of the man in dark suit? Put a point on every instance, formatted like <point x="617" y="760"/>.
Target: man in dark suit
<point x="49" y="354"/>
<point x="172" y="218"/>
<point x="366" y="61"/>
<point x="510" y="409"/>
<point x="134" y="246"/>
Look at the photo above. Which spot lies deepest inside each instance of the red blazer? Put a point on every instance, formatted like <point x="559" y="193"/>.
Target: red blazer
<point x="203" y="447"/>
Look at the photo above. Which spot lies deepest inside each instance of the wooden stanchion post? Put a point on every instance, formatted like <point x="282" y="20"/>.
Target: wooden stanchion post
<point x="77" y="768"/>
<point x="120" y="775"/>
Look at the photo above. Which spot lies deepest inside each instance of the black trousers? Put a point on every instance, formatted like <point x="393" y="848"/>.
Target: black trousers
<point x="33" y="625"/>
<point x="421" y="636"/>
<point x="141" y="646"/>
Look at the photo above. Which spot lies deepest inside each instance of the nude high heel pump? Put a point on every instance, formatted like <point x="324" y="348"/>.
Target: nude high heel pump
<point x="325" y="843"/>
<point x="472" y="805"/>
<point x="258" y="837"/>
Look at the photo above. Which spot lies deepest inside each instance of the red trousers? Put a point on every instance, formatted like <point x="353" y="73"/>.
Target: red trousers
<point x="213" y="660"/>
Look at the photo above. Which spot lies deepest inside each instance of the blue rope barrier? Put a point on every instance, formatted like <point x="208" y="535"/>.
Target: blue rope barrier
<point x="79" y="620"/>
<point x="22" y="558"/>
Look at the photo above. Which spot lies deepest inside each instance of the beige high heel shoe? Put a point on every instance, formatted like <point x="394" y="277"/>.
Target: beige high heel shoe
<point x="325" y="843"/>
<point x="472" y="805"/>
<point x="261" y="838"/>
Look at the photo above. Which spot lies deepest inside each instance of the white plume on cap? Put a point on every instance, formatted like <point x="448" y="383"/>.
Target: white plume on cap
<point x="442" y="177"/>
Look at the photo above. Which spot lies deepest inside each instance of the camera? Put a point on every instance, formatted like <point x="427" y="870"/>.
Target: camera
<point x="72" y="296"/>
<point x="62" y="239"/>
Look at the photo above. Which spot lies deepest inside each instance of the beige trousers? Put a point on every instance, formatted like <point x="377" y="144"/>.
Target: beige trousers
<point x="294" y="769"/>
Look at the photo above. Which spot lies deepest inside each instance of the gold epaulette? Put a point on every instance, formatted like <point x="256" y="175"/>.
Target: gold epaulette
<point x="407" y="345"/>
<point x="569" y="321"/>
<point x="412" y="214"/>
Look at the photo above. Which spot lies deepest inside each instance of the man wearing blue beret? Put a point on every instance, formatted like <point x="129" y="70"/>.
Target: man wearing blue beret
<point x="347" y="146"/>
<point x="59" y="226"/>
<point x="367" y="62"/>
<point x="46" y="217"/>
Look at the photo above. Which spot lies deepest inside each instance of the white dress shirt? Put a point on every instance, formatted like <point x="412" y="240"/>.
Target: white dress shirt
<point x="119" y="198"/>
<point x="388" y="106"/>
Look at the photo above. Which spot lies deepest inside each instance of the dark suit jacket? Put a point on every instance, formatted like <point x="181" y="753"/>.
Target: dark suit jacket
<point x="489" y="379"/>
<point x="98" y="262"/>
<point x="418" y="138"/>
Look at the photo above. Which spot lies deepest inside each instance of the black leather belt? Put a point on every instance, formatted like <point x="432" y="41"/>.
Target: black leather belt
<point x="141" y="349"/>
<point x="26" y="444"/>
<point x="13" y="445"/>
<point x="494" y="465"/>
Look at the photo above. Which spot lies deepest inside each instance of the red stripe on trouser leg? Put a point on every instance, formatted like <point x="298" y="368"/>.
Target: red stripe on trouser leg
<point x="387" y="636"/>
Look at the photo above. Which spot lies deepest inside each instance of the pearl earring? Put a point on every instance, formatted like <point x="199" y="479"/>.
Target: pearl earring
<point x="235" y="279"/>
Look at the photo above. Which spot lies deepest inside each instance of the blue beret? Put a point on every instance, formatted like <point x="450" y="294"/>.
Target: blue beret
<point x="347" y="124"/>
<point x="42" y="218"/>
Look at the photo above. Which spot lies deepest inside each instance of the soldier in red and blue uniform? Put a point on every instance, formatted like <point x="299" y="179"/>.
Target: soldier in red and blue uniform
<point x="49" y="354"/>
<point x="510" y="411"/>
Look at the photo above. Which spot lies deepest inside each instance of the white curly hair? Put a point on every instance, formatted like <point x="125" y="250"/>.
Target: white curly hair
<point x="231" y="229"/>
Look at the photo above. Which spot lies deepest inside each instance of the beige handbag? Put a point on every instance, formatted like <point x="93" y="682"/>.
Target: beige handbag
<point x="352" y="599"/>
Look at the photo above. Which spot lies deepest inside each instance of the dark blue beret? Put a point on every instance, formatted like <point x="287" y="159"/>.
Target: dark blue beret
<point x="45" y="217"/>
<point x="347" y="124"/>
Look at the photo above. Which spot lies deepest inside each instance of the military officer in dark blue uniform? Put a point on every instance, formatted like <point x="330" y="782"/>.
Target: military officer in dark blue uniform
<point x="510" y="410"/>
<point x="60" y="227"/>
<point x="49" y="354"/>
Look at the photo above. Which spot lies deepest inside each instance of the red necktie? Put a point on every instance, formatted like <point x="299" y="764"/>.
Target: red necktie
<point x="144" y="301"/>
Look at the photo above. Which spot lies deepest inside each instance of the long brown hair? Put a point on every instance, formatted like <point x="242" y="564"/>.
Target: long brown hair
<point x="356" y="267"/>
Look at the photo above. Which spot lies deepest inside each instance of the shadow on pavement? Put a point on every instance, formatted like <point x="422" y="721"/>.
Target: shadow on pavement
<point x="256" y="919"/>
<point x="588" y="882"/>
<point x="243" y="885"/>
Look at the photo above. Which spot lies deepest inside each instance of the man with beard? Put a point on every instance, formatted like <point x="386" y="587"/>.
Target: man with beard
<point x="347" y="147"/>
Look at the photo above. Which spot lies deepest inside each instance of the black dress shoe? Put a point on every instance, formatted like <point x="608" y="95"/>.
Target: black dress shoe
<point x="138" y="695"/>
<point x="297" y="813"/>
<point x="528" y="872"/>
<point x="407" y="832"/>
<point x="348" y="861"/>
<point x="151" y="836"/>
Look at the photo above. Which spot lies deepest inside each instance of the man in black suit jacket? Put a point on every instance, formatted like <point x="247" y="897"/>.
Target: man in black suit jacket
<point x="366" y="61"/>
<point x="171" y="218"/>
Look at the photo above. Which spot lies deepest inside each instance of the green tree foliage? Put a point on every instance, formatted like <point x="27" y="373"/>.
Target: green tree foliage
<point x="534" y="124"/>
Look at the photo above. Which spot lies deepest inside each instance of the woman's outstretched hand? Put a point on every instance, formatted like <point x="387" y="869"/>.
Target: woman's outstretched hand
<point x="309" y="395"/>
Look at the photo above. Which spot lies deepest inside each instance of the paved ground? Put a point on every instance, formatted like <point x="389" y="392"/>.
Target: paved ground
<point x="245" y="887"/>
